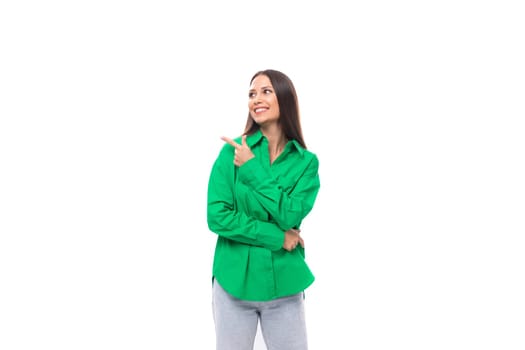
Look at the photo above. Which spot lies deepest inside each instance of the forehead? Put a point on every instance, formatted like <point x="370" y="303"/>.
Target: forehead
<point x="260" y="81"/>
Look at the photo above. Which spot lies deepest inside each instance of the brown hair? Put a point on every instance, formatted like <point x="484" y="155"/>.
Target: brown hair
<point x="288" y="105"/>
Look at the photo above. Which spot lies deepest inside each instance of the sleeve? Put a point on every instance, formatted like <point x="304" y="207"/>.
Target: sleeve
<point x="222" y="215"/>
<point x="286" y="209"/>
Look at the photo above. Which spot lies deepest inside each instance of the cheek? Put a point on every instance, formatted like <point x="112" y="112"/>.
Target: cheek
<point x="250" y="110"/>
<point x="276" y="109"/>
<point x="275" y="103"/>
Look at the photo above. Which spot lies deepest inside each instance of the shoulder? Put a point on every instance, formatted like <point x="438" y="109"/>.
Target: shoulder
<point x="311" y="158"/>
<point x="307" y="158"/>
<point x="308" y="155"/>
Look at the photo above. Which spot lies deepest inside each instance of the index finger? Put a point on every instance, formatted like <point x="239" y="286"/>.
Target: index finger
<point x="230" y="141"/>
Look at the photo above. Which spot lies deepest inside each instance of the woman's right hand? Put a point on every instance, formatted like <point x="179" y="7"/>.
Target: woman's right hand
<point x="291" y="239"/>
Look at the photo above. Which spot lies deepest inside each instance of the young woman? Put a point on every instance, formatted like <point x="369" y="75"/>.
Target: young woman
<point x="261" y="186"/>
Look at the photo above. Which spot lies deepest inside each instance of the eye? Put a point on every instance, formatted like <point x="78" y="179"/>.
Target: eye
<point x="251" y="94"/>
<point x="267" y="91"/>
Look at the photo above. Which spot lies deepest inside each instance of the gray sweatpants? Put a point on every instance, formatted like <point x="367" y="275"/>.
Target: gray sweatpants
<point x="282" y="322"/>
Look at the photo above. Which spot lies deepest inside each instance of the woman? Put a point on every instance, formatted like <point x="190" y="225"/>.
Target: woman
<point x="261" y="186"/>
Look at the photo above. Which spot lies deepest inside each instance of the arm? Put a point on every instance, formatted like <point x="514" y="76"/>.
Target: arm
<point x="287" y="209"/>
<point x="222" y="215"/>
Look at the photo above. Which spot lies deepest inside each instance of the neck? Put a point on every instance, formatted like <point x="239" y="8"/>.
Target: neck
<point x="276" y="141"/>
<point x="276" y="138"/>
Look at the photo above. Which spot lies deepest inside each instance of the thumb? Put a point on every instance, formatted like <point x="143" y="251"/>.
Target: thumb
<point x="244" y="141"/>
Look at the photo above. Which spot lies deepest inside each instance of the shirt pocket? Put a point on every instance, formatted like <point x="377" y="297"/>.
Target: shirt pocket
<point x="287" y="181"/>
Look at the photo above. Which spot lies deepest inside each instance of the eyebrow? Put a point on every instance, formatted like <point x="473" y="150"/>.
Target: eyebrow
<point x="263" y="87"/>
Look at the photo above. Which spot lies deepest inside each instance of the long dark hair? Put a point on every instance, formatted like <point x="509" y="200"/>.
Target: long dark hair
<point x="288" y="106"/>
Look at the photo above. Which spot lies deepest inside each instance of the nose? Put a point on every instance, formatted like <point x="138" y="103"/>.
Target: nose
<point x="256" y="99"/>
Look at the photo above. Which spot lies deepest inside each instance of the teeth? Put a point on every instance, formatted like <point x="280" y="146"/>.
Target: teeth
<point x="259" y="110"/>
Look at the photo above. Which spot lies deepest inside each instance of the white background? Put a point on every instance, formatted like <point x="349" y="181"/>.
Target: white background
<point x="111" y="116"/>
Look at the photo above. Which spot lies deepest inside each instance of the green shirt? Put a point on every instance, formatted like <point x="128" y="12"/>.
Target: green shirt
<point x="250" y="207"/>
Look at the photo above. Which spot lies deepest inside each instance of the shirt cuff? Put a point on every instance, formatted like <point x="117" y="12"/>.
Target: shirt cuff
<point x="270" y="235"/>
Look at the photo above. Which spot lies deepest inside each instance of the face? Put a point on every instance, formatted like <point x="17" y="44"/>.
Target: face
<point x="262" y="101"/>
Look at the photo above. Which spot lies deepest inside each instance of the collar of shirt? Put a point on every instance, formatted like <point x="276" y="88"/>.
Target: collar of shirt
<point x="257" y="137"/>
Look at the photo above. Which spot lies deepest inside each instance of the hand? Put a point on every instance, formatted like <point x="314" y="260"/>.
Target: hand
<point x="291" y="239"/>
<point x="243" y="153"/>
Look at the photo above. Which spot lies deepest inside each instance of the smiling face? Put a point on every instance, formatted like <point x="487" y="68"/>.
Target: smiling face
<point x="262" y="102"/>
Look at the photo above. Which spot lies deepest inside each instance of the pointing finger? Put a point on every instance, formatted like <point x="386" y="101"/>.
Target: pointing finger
<point x="230" y="141"/>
